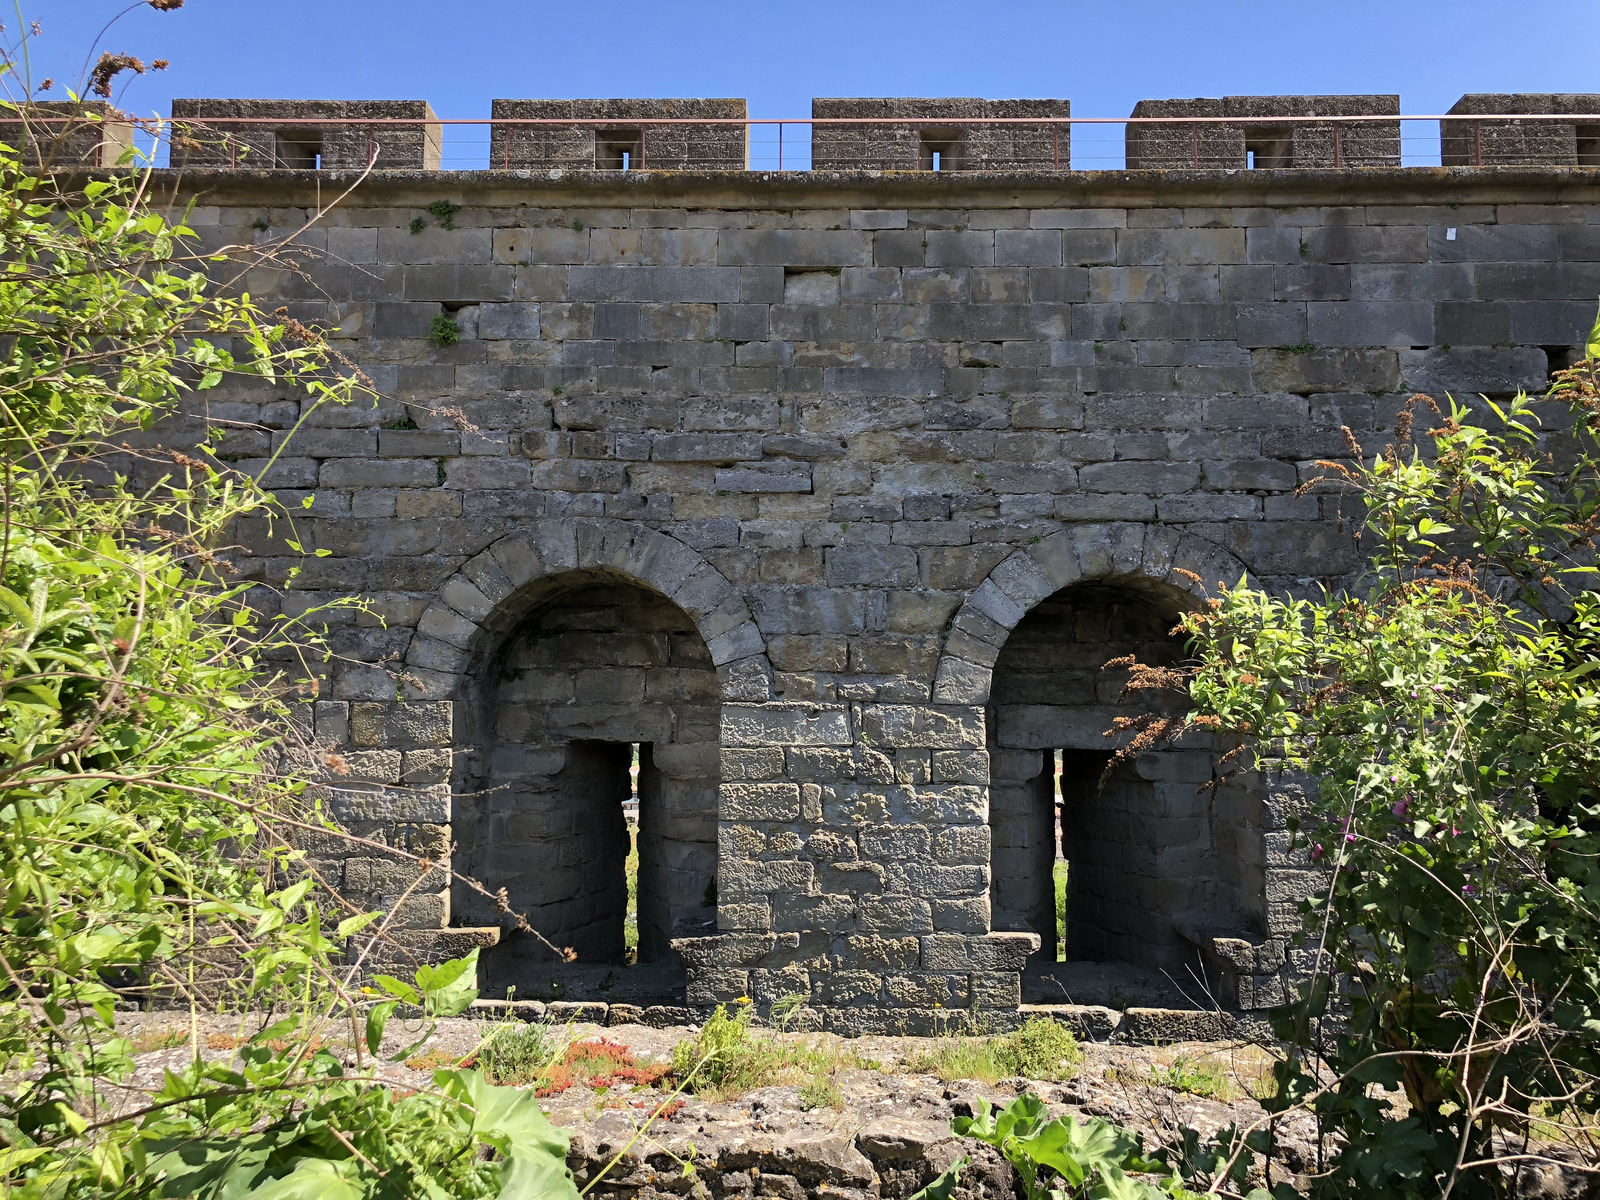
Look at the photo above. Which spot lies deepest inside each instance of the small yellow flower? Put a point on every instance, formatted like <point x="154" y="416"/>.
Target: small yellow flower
<point x="743" y="1000"/>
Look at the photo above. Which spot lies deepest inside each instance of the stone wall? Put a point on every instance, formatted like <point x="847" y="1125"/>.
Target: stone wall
<point x="852" y="432"/>
<point x="1231" y="144"/>
<point x="868" y="143"/>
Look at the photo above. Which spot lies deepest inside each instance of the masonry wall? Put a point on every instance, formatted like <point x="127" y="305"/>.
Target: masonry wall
<point x="856" y="431"/>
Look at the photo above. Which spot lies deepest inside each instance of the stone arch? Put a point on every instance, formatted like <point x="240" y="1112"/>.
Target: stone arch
<point x="491" y="592"/>
<point x="1153" y="554"/>
<point x="1148" y="855"/>
<point x="516" y="639"/>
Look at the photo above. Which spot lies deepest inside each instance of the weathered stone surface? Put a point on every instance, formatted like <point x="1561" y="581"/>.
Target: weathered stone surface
<point x="835" y="497"/>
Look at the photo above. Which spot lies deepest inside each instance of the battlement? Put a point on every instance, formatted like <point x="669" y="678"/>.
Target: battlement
<point x="1478" y="143"/>
<point x="910" y="134"/>
<point x="97" y="139"/>
<point x="847" y="135"/>
<point x="617" y="135"/>
<point x="1232" y="144"/>
<point x="306" y="134"/>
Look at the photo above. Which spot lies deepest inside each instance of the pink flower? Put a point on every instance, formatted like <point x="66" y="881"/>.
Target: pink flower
<point x="1317" y="852"/>
<point x="1402" y="806"/>
<point x="1469" y="889"/>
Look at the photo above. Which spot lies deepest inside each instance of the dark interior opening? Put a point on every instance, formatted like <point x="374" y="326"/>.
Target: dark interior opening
<point x="1560" y="358"/>
<point x="300" y="150"/>
<point x="1588" y="137"/>
<point x="617" y="150"/>
<point x="1268" y="146"/>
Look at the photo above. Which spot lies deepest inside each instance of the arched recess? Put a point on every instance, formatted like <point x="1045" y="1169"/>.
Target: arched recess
<point x="1153" y="862"/>
<point x="565" y="646"/>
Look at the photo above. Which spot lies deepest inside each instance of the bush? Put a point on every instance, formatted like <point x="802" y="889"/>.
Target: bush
<point x="1042" y="1049"/>
<point x="1433" y="734"/>
<point x="516" y="1052"/>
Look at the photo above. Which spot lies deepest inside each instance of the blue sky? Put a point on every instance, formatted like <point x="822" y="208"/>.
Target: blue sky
<point x="459" y="54"/>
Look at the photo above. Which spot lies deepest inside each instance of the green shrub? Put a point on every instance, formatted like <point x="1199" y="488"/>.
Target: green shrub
<point x="516" y="1052"/>
<point x="1042" y="1049"/>
<point x="444" y="331"/>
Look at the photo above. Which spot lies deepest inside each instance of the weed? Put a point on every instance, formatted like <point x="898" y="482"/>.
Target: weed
<point x="168" y="1037"/>
<point x="1041" y="1049"/>
<point x="600" y="1064"/>
<point x="259" y="225"/>
<point x="1298" y="348"/>
<point x="444" y="331"/>
<point x="577" y="226"/>
<point x="1122" y="325"/>
<point x="444" y="212"/>
<point x="433" y="1060"/>
<point x="515" y="1052"/>
<point x="1196" y="1076"/>
<point x="404" y="422"/>
<point x="821" y="1092"/>
<point x="736" y="1058"/>
<point x="418" y="224"/>
<point x="963" y="1058"/>
<point x="440" y="473"/>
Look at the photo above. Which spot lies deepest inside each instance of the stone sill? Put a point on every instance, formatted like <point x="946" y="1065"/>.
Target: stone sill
<point x="898" y="189"/>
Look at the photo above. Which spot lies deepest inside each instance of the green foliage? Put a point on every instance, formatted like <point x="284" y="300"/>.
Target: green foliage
<point x="1449" y="705"/>
<point x="516" y="1052"/>
<point x="443" y="330"/>
<point x="1195" y="1076"/>
<point x="821" y="1092"/>
<point x="1058" y="878"/>
<point x="1040" y="1049"/>
<point x="444" y="212"/>
<point x="152" y="783"/>
<point x="1063" y="1160"/>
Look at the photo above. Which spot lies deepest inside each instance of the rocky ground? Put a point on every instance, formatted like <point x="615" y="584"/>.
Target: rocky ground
<point x="884" y="1132"/>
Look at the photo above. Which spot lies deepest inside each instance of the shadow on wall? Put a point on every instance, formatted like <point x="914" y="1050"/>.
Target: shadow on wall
<point x="596" y="664"/>
<point x="1150" y="851"/>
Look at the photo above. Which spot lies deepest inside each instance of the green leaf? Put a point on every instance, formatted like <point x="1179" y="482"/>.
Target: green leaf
<point x="377" y="1017"/>
<point x="534" y="1151"/>
<point x="313" y="1179"/>
<point x="450" y="987"/>
<point x="945" y="1185"/>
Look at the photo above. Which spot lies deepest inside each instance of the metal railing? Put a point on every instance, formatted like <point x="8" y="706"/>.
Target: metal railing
<point x="770" y="143"/>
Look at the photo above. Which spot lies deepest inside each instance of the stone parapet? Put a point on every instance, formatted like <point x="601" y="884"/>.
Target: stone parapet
<point x="1501" y="143"/>
<point x="638" y="135"/>
<point x="285" y="134"/>
<point x="942" y="138"/>
<point x="1231" y="144"/>
<point x="61" y="134"/>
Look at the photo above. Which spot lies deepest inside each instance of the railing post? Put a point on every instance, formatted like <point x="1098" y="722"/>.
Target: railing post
<point x="1055" y="130"/>
<point x="644" y="133"/>
<point x="1477" y="143"/>
<point x="1196" y="131"/>
<point x="780" y="145"/>
<point x="1338" y="159"/>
